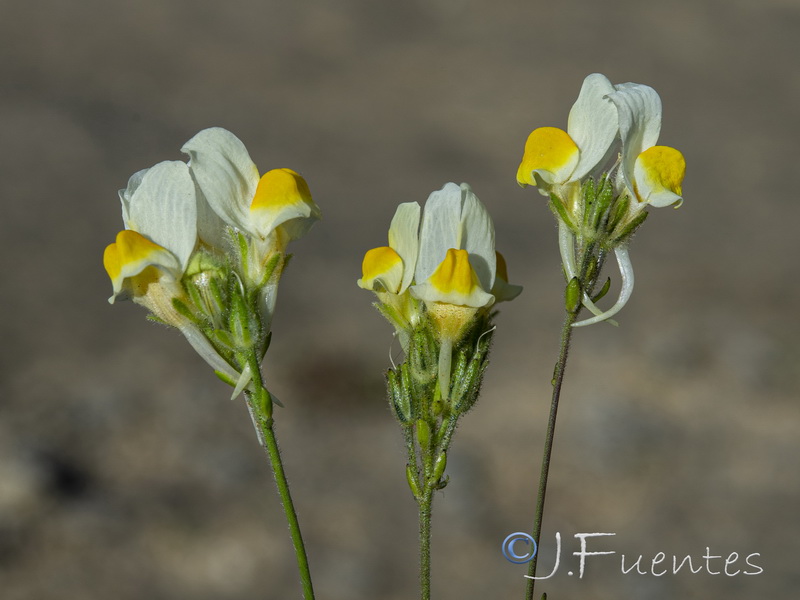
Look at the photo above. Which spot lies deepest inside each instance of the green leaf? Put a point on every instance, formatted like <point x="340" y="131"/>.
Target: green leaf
<point x="398" y="399"/>
<point x="560" y="211"/>
<point x="629" y="229"/>
<point x="603" y="291"/>
<point x="223" y="338"/>
<point x="184" y="310"/>
<point x="407" y="391"/>
<point x="269" y="268"/>
<point x="618" y="212"/>
<point x="605" y="198"/>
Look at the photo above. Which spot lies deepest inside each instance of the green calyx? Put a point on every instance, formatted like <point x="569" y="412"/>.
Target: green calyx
<point x="600" y="215"/>
<point x="228" y="305"/>
<point x="427" y="413"/>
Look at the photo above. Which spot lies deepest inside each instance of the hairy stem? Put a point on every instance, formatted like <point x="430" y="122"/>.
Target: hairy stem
<point x="425" y="509"/>
<point x="587" y="252"/>
<point x="260" y="404"/>
<point x="558" y="378"/>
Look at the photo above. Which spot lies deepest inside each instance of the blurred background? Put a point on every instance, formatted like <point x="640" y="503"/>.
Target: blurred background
<point x="126" y="473"/>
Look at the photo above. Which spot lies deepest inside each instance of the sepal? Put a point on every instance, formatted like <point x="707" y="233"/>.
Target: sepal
<point x="572" y="295"/>
<point x="439" y="465"/>
<point x="399" y="400"/>
<point x="411" y="478"/>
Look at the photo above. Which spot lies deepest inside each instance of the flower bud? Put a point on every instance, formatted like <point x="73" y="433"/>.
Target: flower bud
<point x="411" y="478"/>
<point x="423" y="434"/>
<point x="438" y="467"/>
<point x="572" y="295"/>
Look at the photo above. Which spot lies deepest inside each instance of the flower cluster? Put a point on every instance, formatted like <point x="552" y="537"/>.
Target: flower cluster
<point x="437" y="282"/>
<point x="204" y="246"/>
<point x="600" y="175"/>
<point x="440" y="266"/>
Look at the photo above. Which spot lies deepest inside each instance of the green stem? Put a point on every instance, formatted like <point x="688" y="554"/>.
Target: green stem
<point x="558" y="378"/>
<point x="587" y="251"/>
<point x="261" y="406"/>
<point x="425" y="509"/>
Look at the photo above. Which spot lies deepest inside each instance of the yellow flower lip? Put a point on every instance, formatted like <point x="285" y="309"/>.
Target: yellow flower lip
<point x="659" y="173"/>
<point x="129" y="249"/>
<point x="131" y="255"/>
<point x="665" y="165"/>
<point x="382" y="266"/>
<point x="550" y="152"/>
<point x="280" y="188"/>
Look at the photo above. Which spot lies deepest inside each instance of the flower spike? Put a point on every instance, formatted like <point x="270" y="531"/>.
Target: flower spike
<point x="601" y="174"/>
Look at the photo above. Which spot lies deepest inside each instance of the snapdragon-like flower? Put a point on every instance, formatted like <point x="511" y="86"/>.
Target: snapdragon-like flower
<point x="270" y="210"/>
<point x="389" y="270"/>
<point x="557" y="161"/>
<point x="204" y="247"/>
<point x="649" y="173"/>
<point x="611" y="128"/>
<point x="437" y="282"/>
<point x="448" y="253"/>
<point x="149" y="257"/>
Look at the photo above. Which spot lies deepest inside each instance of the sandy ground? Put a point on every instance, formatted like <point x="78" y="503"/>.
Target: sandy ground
<point x="124" y="471"/>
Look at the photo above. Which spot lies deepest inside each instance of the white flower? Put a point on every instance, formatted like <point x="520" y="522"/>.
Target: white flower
<point x="275" y="207"/>
<point x="447" y="253"/>
<point x="270" y="210"/>
<point x="391" y="268"/>
<point x="457" y="261"/>
<point x="159" y="212"/>
<point x="651" y="174"/>
<point x="149" y="257"/>
<point x="559" y="162"/>
<point x="554" y="158"/>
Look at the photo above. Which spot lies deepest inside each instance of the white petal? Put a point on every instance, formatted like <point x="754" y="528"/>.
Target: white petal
<point x="626" y="271"/>
<point x="211" y="229"/>
<point x="404" y="239"/>
<point x="663" y="198"/>
<point x="125" y="195"/>
<point x="477" y="238"/>
<point x="504" y="291"/>
<point x="639" y="111"/>
<point x="440" y="227"/>
<point x="162" y="207"/>
<point x="225" y="174"/>
<point x="593" y="124"/>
